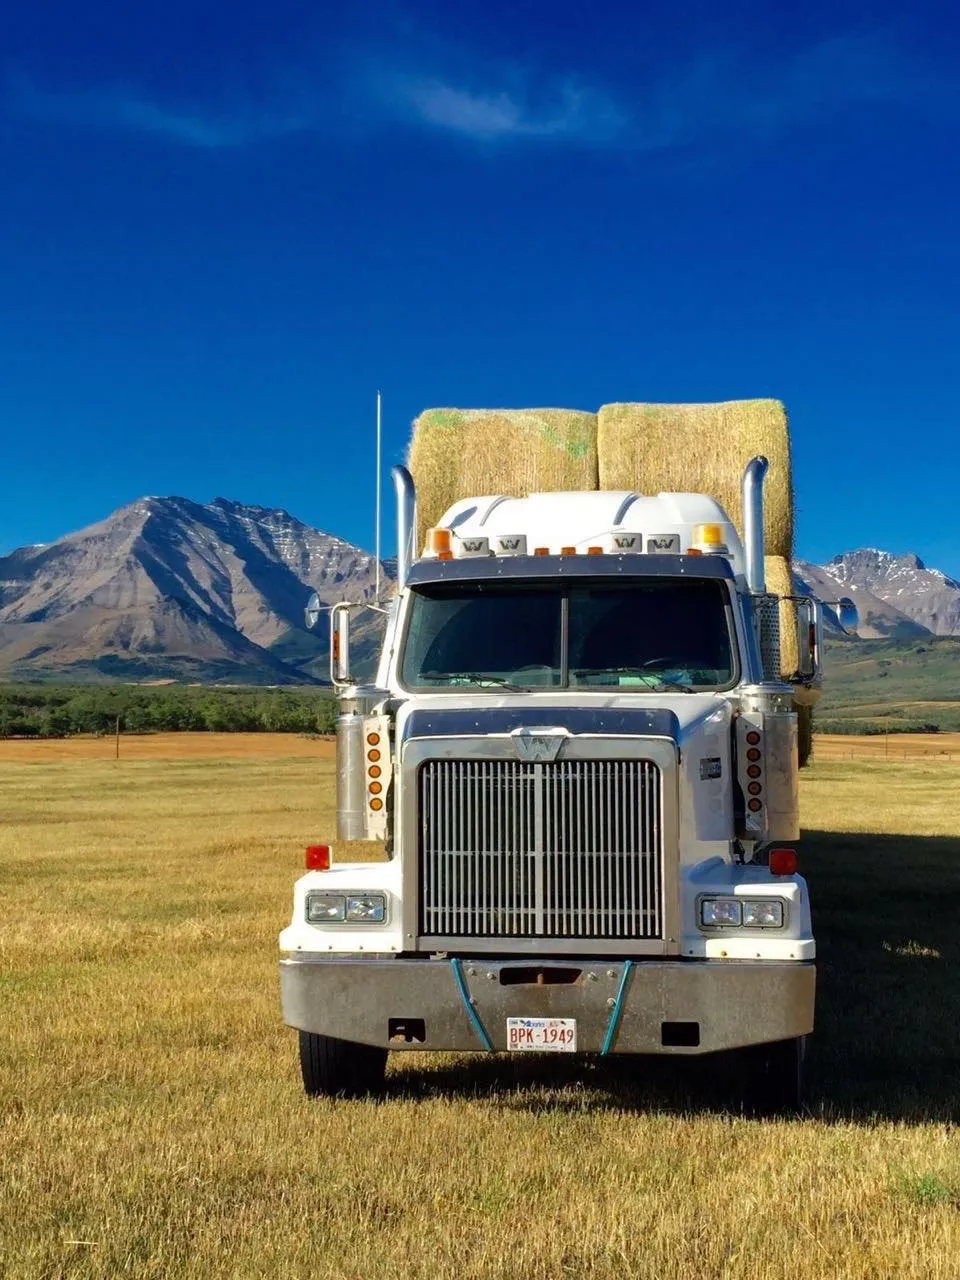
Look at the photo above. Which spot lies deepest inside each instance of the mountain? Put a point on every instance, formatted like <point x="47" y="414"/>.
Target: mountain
<point x="170" y="587"/>
<point x="898" y="596"/>
<point x="167" y="587"/>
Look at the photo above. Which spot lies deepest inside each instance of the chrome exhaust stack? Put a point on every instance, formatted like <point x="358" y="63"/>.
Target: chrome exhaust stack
<point x="753" y="540"/>
<point x="406" y="522"/>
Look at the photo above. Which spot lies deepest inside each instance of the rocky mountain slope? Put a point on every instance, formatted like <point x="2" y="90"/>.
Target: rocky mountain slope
<point x="898" y="596"/>
<point x="170" y="587"/>
<point x="166" y="587"/>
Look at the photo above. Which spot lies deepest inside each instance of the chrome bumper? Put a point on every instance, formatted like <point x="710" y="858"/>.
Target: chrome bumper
<point x="645" y="1006"/>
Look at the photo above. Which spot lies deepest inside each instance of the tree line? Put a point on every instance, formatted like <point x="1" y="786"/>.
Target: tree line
<point x="58" y="711"/>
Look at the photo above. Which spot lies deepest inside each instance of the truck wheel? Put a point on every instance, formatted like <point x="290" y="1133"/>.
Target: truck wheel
<point x="775" y="1077"/>
<point x="340" y="1068"/>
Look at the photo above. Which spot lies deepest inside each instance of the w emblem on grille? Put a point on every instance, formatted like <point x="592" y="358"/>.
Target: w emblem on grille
<point x="538" y="746"/>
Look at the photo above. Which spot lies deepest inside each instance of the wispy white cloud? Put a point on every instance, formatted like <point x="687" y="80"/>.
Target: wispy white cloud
<point x="720" y="100"/>
<point x="563" y="111"/>
<point x="130" y="110"/>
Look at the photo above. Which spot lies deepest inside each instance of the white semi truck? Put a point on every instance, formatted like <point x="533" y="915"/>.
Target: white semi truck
<point x="575" y="775"/>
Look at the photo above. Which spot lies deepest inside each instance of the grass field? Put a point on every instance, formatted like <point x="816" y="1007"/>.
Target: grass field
<point x="151" y="1116"/>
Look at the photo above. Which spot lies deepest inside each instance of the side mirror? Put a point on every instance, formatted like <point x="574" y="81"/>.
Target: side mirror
<point x="311" y="614"/>
<point x="847" y="615"/>
<point x="809" y="633"/>
<point x="340" y="645"/>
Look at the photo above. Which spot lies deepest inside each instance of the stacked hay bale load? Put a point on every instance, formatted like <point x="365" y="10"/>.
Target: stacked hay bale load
<point x="456" y="453"/>
<point x="704" y="448"/>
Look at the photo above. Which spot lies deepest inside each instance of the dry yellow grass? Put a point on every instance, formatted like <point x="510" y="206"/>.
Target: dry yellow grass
<point x="895" y="746"/>
<point x="701" y="448"/>
<point x="165" y="746"/>
<point x="152" y="1121"/>
<point x="462" y="453"/>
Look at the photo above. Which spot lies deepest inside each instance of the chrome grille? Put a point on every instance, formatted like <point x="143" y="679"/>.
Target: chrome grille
<point x="564" y="849"/>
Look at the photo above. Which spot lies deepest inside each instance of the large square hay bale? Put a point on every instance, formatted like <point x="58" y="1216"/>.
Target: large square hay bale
<point x="701" y="448"/>
<point x="458" y="453"/>
<point x="780" y="582"/>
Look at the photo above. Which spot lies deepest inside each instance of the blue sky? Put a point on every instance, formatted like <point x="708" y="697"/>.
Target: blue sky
<point x="223" y="226"/>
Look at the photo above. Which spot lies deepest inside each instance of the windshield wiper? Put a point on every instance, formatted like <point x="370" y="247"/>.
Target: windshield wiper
<point x="473" y="677"/>
<point x="651" y="680"/>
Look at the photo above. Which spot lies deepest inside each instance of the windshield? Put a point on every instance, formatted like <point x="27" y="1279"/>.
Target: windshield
<point x="648" y="633"/>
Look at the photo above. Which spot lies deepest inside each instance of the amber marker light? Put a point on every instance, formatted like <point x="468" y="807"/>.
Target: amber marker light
<point x="373" y="739"/>
<point x="317" y="857"/>
<point x="753" y="738"/>
<point x="754" y="806"/>
<point x="783" y="862"/>
<point x="376" y="804"/>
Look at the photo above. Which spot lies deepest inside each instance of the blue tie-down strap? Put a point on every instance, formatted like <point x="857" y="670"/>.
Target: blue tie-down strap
<point x="614" y="1023"/>
<point x="471" y="1012"/>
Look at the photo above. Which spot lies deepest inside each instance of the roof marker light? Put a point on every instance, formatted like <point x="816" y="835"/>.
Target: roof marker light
<point x="438" y="542"/>
<point x="541" y="551"/>
<point x="594" y="551"/>
<point x="709" y="537"/>
<point x="568" y="551"/>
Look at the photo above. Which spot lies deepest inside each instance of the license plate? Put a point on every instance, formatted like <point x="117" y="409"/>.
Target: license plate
<point x="542" y="1035"/>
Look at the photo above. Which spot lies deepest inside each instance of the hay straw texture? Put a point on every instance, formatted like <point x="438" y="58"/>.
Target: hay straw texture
<point x="701" y="448"/>
<point x="780" y="583"/>
<point x="459" y="453"/>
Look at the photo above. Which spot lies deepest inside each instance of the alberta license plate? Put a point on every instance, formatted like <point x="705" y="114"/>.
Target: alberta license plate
<point x="542" y="1035"/>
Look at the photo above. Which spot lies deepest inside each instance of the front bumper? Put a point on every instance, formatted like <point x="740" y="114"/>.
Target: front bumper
<point x="730" y="1002"/>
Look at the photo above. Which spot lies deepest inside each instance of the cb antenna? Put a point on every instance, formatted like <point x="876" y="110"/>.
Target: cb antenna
<point x="376" y="535"/>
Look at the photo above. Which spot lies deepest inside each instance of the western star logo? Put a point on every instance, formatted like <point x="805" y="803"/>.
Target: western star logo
<point x="475" y="546"/>
<point x="512" y="544"/>
<point x="625" y="541"/>
<point x="663" y="544"/>
<point x="538" y="748"/>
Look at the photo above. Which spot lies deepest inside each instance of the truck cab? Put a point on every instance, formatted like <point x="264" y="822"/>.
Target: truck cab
<point x="567" y="804"/>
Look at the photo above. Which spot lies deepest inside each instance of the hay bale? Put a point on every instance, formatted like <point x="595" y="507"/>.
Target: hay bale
<point x="780" y="582"/>
<point x="456" y="453"/>
<point x="701" y="448"/>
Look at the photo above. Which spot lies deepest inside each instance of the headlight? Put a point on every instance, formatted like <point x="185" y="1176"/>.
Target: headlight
<point x="763" y="913"/>
<point x="741" y="913"/>
<point x="323" y="908"/>
<point x="349" y="908"/>
<point x="718" y="912"/>
<point x="371" y="908"/>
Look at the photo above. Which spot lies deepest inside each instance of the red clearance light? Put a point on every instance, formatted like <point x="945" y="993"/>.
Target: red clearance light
<point x="783" y="862"/>
<point x="318" y="857"/>
<point x="753" y="737"/>
<point x="754" y="805"/>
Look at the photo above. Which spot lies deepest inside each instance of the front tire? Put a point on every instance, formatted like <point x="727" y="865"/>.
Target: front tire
<point x="335" y="1068"/>
<point x="776" y="1077"/>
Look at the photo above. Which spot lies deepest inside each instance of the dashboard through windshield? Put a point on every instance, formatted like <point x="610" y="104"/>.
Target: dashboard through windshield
<point x="652" y="633"/>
